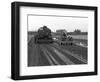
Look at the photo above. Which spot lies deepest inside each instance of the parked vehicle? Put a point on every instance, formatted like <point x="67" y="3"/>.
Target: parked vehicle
<point x="65" y="39"/>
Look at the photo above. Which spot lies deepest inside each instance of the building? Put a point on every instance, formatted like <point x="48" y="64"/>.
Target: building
<point x="61" y="31"/>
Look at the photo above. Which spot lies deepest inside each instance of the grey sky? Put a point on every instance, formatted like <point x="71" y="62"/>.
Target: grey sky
<point x="55" y="23"/>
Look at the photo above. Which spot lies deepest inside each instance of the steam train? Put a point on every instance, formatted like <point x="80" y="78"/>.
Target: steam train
<point x="43" y="35"/>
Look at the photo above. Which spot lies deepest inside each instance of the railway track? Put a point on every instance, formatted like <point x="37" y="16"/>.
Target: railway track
<point x="53" y="54"/>
<point x="68" y="53"/>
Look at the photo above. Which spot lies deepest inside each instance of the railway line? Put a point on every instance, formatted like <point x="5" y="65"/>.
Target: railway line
<point x="53" y="54"/>
<point x="44" y="49"/>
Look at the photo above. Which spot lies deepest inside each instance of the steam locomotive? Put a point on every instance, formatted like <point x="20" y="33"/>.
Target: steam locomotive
<point x="43" y="35"/>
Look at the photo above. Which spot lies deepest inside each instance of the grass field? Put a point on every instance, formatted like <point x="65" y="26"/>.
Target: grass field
<point x="82" y="37"/>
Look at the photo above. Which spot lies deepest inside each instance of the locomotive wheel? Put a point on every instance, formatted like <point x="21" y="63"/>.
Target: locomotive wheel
<point x="61" y="43"/>
<point x="71" y="43"/>
<point x="66" y="43"/>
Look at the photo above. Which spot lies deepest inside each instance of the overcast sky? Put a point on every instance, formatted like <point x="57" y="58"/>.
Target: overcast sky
<point x="55" y="23"/>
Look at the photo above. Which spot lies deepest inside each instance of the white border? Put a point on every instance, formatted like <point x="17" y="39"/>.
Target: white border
<point x="25" y="70"/>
